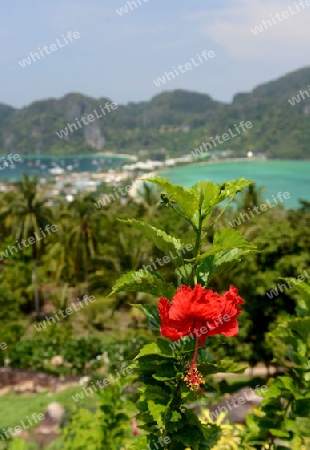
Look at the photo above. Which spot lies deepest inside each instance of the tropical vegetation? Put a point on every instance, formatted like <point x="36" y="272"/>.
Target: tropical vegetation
<point x="92" y="252"/>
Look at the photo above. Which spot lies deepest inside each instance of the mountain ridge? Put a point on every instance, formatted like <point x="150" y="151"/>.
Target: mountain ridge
<point x="178" y="120"/>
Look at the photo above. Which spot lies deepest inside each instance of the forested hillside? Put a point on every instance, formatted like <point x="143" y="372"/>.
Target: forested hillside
<point x="177" y="120"/>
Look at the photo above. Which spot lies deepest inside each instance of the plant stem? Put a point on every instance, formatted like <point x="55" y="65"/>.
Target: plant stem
<point x="197" y="248"/>
<point x="222" y="212"/>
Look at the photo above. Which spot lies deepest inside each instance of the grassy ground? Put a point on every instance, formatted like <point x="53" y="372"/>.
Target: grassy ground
<point x="15" y="408"/>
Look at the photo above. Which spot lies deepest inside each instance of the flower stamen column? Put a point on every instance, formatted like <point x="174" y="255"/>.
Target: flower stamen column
<point x="194" y="378"/>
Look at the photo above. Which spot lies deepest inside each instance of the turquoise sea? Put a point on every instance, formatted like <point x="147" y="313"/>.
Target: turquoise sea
<point x="42" y="164"/>
<point x="274" y="176"/>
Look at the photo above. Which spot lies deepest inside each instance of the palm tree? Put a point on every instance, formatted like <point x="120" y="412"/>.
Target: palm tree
<point x="6" y="222"/>
<point x="29" y="216"/>
<point x="59" y="258"/>
<point x="85" y="231"/>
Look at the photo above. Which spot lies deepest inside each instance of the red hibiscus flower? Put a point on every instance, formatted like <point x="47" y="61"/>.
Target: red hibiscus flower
<point x="201" y="313"/>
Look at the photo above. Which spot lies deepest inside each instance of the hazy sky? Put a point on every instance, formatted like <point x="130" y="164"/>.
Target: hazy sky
<point x="120" y="56"/>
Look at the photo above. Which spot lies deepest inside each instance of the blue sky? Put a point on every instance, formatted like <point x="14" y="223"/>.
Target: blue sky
<point x="120" y="56"/>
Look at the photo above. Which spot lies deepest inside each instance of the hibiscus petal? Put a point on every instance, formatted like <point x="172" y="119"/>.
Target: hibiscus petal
<point x="197" y="309"/>
<point x="166" y="329"/>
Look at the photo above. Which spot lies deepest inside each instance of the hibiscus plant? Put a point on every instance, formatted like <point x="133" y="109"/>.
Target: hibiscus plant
<point x="175" y="368"/>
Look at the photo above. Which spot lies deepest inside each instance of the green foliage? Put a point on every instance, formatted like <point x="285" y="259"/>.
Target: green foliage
<point x="159" y="238"/>
<point x="163" y="368"/>
<point x="79" y="355"/>
<point x="285" y="411"/>
<point x="184" y="199"/>
<point x="108" y="426"/>
<point x="279" y="129"/>
<point x="144" y="281"/>
<point x="84" y="431"/>
<point x="18" y="444"/>
<point x="283" y="238"/>
<point x="194" y="205"/>
<point x="116" y="420"/>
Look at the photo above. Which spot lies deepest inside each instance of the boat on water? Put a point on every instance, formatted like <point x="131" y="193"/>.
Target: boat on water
<point x="56" y="171"/>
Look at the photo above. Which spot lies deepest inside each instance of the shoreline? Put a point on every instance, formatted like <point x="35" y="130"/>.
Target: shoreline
<point x="79" y="156"/>
<point x="229" y="160"/>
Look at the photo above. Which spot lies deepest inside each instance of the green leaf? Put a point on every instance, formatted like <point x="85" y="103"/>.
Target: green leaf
<point x="158" y="411"/>
<point x="140" y="444"/>
<point x="144" y="281"/>
<point x="301" y="326"/>
<point x="212" y="433"/>
<point x="171" y="246"/>
<point x="217" y="264"/>
<point x="186" y="198"/>
<point x="175" y="417"/>
<point x="211" y="194"/>
<point x="304" y="290"/>
<point x="184" y="273"/>
<point x="208" y="195"/>
<point x="274" y="390"/>
<point x="175" y="422"/>
<point x="279" y="433"/>
<point x="205" y="356"/>
<point x="294" y="356"/>
<point x="18" y="444"/>
<point x="226" y="240"/>
<point x="307" y="376"/>
<point x="225" y="366"/>
<point x="188" y="344"/>
<point x="159" y="348"/>
<point x="231" y="188"/>
<point x="152" y="314"/>
<point x="121" y="416"/>
<point x="302" y="407"/>
<point x="153" y="392"/>
<point x="289" y="383"/>
<point x="166" y="372"/>
<point x="191" y="436"/>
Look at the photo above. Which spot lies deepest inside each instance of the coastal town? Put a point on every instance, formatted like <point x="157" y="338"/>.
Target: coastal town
<point x="106" y="170"/>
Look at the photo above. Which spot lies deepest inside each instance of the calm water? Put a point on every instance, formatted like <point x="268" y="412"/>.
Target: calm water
<point x="75" y="163"/>
<point x="275" y="176"/>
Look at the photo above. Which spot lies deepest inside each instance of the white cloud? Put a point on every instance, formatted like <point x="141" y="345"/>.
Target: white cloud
<point x="230" y="27"/>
